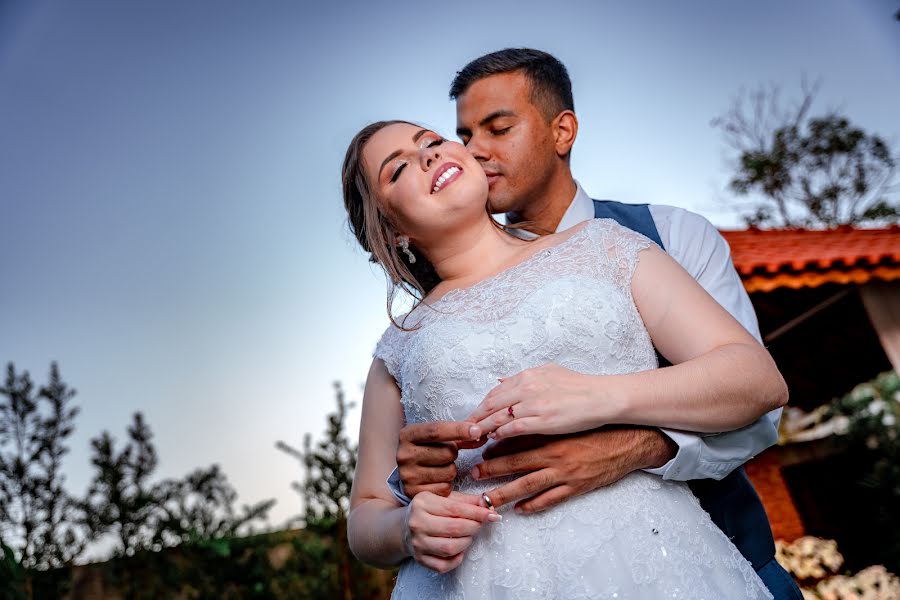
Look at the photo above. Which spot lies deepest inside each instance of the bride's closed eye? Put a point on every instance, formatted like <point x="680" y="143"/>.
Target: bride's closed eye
<point x="435" y="142"/>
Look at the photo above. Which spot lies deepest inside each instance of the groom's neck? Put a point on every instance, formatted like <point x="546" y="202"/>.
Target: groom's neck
<point x="544" y="209"/>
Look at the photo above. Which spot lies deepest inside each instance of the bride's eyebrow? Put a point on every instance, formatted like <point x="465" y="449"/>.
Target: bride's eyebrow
<point x="396" y="153"/>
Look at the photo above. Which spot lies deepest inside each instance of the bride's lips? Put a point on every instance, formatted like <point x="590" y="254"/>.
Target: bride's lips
<point x="443" y="169"/>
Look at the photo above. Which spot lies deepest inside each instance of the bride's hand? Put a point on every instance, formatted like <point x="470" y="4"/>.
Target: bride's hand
<point x="546" y="400"/>
<point x="439" y="530"/>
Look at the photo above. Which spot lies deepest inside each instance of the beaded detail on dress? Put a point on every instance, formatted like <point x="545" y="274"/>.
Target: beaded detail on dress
<point x="571" y="305"/>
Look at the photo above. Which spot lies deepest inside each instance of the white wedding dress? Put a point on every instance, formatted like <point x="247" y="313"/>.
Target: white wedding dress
<point x="641" y="537"/>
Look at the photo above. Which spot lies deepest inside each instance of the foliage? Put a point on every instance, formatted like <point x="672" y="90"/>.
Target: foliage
<point x="328" y="468"/>
<point x="142" y="515"/>
<point x="873" y="413"/>
<point x="806" y="171"/>
<point x="121" y="499"/>
<point x="175" y="537"/>
<point x="37" y="516"/>
<point x="326" y="487"/>
<point x="200" y="508"/>
<point x="12" y="575"/>
<point x="272" y="566"/>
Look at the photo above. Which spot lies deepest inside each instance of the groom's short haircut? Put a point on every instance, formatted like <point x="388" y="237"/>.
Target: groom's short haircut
<point x="551" y="88"/>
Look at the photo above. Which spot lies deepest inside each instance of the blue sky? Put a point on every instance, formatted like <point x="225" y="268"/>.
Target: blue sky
<point x="171" y="227"/>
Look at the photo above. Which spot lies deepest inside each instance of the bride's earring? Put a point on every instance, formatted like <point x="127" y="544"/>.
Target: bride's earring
<point x="403" y="242"/>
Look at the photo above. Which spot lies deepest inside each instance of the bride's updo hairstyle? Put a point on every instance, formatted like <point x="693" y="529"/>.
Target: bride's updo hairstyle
<point x="374" y="228"/>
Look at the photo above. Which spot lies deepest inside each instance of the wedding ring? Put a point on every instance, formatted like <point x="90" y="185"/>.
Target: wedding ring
<point x="510" y="411"/>
<point x="488" y="501"/>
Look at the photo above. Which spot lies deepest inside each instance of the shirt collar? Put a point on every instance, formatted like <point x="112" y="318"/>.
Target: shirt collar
<point x="581" y="209"/>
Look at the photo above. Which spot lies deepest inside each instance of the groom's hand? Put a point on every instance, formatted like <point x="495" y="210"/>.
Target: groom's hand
<point x="426" y="453"/>
<point x="560" y="467"/>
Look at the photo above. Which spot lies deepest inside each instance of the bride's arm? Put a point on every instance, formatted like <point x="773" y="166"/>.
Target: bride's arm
<point x="722" y="378"/>
<point x="376" y="521"/>
<point x="434" y="530"/>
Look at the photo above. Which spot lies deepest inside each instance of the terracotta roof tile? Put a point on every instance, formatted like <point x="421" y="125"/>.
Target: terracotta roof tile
<point x="797" y="258"/>
<point x="769" y="252"/>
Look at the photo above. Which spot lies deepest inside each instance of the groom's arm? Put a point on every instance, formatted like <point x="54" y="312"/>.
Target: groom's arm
<point x="555" y="467"/>
<point x="698" y="246"/>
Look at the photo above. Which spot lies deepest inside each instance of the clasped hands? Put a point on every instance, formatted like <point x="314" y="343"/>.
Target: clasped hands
<point x="549" y="403"/>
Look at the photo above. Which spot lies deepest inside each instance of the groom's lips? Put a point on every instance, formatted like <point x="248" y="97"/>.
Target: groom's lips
<point x="492" y="177"/>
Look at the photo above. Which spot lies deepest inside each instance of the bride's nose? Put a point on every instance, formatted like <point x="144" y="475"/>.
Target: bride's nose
<point x="429" y="156"/>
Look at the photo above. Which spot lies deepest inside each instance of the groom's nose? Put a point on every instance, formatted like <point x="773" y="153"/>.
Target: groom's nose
<point x="477" y="148"/>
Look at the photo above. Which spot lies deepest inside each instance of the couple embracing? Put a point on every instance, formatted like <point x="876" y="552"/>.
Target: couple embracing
<point x="519" y="436"/>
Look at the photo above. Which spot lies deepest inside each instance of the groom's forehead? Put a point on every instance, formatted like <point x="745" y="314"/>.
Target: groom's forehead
<point x="502" y="93"/>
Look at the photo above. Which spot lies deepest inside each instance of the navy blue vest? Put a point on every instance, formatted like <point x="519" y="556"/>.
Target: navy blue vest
<point x="732" y="502"/>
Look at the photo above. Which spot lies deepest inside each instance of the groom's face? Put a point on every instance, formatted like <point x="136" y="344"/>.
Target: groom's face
<point x="512" y="139"/>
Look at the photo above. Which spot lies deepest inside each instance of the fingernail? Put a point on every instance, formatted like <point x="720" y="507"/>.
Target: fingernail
<point x="500" y="379"/>
<point x="495" y="517"/>
<point x="492" y="435"/>
<point x="476" y="472"/>
<point x="519" y="511"/>
<point x="475" y="432"/>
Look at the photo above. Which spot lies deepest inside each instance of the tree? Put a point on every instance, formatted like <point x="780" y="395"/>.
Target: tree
<point x="328" y="469"/>
<point x="121" y="499"/>
<point x="200" y="508"/>
<point x="143" y="515"/>
<point x="39" y="520"/>
<point x="806" y="171"/>
<point x="326" y="486"/>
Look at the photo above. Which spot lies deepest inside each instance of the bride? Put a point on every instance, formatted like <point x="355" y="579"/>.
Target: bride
<point x="495" y="313"/>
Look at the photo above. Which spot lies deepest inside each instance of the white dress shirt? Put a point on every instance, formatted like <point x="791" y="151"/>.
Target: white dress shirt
<point x="699" y="247"/>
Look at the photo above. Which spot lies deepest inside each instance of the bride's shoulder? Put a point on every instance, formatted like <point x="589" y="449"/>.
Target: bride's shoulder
<point x="612" y="232"/>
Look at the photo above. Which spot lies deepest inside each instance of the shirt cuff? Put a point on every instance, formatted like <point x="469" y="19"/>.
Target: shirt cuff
<point x="395" y="484"/>
<point x="685" y="462"/>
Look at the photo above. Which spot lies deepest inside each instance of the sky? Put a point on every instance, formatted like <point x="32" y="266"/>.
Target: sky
<point x="171" y="226"/>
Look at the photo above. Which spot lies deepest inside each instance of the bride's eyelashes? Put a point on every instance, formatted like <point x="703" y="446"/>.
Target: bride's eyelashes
<point x="397" y="172"/>
<point x="434" y="142"/>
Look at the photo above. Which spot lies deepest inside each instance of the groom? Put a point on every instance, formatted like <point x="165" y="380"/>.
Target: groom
<point x="515" y="114"/>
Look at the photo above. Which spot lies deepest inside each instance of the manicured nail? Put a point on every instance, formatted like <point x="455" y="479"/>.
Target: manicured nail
<point x="495" y="517"/>
<point x="475" y="432"/>
<point x="492" y="435"/>
<point x="476" y="472"/>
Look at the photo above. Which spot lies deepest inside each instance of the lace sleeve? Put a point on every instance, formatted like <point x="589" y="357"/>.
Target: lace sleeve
<point x="387" y="349"/>
<point x="619" y="249"/>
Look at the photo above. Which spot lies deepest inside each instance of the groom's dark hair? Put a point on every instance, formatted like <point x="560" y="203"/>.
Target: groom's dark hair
<point x="551" y="88"/>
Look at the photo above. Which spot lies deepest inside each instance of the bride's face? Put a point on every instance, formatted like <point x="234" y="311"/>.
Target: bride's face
<point x="429" y="185"/>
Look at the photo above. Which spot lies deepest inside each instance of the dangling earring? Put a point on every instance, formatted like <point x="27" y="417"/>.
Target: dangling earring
<point x="404" y="245"/>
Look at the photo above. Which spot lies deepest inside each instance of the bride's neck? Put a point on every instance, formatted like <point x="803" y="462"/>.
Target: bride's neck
<point x="474" y="253"/>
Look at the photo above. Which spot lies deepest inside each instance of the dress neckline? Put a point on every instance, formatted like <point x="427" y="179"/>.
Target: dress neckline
<point x="465" y="290"/>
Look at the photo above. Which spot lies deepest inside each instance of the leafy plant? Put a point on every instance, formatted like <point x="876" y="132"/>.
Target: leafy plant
<point x="806" y="171"/>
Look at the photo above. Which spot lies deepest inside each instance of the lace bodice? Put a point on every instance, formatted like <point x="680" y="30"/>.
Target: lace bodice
<point x="568" y="304"/>
<point x="571" y="305"/>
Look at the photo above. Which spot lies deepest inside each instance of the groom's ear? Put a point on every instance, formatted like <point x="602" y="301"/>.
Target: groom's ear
<point x="565" y="130"/>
